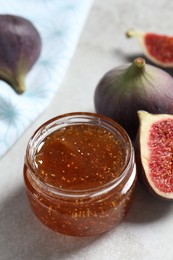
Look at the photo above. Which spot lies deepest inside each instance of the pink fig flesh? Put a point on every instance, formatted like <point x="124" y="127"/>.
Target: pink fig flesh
<point x="155" y="149"/>
<point x="157" y="47"/>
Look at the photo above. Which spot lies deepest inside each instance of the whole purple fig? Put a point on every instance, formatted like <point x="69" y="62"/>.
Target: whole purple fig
<point x="126" y="89"/>
<point x="20" y="47"/>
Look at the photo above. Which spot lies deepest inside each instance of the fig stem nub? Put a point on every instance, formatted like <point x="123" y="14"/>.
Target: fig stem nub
<point x="18" y="84"/>
<point x="134" y="33"/>
<point x="130" y="33"/>
<point x="139" y="62"/>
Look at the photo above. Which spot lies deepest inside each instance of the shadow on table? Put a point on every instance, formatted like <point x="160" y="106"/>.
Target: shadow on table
<point x="22" y="236"/>
<point x="146" y="207"/>
<point x="130" y="58"/>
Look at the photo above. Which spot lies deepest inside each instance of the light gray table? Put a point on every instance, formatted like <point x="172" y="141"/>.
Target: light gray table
<point x="146" y="233"/>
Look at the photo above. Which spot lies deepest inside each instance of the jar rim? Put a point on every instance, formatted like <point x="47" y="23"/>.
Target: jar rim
<point x="66" y="119"/>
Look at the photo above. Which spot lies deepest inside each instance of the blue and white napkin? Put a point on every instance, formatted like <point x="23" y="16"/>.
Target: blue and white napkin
<point x="59" y="23"/>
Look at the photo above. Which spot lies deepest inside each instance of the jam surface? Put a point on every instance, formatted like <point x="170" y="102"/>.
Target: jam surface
<point x="80" y="157"/>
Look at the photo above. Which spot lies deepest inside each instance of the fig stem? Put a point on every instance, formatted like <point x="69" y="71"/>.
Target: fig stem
<point x="132" y="33"/>
<point x="139" y="62"/>
<point x="18" y="84"/>
<point x="136" y="69"/>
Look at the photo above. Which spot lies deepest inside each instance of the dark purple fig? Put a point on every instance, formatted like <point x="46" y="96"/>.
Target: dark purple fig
<point x="154" y="153"/>
<point x="20" y="47"/>
<point x="126" y="89"/>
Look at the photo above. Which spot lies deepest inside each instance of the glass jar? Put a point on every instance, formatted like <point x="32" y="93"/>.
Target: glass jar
<point x="80" y="173"/>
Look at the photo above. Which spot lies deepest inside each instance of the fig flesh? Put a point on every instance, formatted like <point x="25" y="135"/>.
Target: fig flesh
<point x="20" y="47"/>
<point x="154" y="152"/>
<point x="156" y="47"/>
<point x="138" y="86"/>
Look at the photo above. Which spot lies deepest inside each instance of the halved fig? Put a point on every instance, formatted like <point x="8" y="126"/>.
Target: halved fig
<point x="157" y="47"/>
<point x="154" y="152"/>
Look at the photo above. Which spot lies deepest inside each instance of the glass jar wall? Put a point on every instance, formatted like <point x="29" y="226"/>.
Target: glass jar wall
<point x="80" y="173"/>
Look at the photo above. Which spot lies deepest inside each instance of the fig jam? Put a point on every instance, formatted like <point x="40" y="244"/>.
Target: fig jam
<point x="80" y="174"/>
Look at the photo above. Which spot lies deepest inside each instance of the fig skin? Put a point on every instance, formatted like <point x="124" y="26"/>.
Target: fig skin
<point x="142" y="152"/>
<point x="126" y="89"/>
<point x="20" y="47"/>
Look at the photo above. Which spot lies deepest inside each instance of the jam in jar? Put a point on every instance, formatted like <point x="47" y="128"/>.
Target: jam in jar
<point x="80" y="173"/>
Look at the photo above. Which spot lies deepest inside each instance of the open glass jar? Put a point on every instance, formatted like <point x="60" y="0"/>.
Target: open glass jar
<point x="80" y="173"/>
